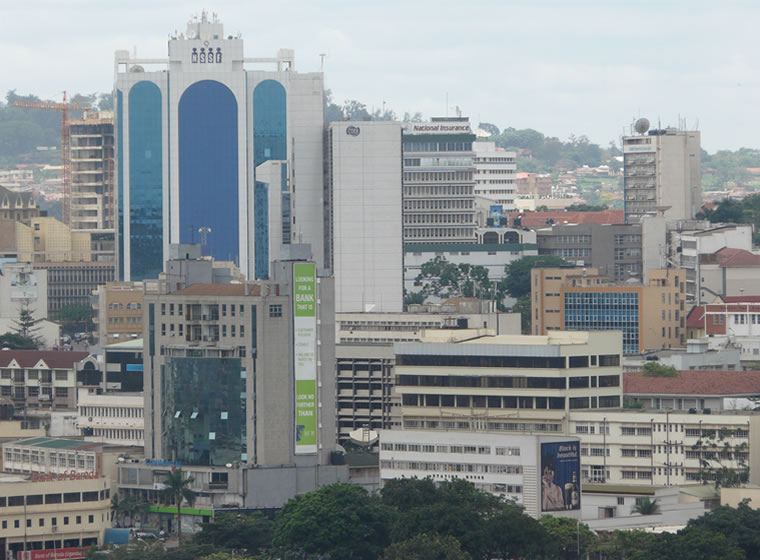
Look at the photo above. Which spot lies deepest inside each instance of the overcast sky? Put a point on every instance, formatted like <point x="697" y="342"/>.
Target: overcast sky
<point x="559" y="66"/>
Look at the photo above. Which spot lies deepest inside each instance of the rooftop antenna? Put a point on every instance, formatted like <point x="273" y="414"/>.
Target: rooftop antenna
<point x="322" y="62"/>
<point x="204" y="231"/>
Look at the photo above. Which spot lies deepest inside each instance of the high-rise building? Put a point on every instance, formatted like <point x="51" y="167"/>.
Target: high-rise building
<point x="234" y="373"/>
<point x="192" y="132"/>
<point x="92" y="172"/>
<point x="662" y="174"/>
<point x="439" y="199"/>
<point x="495" y="170"/>
<point x="365" y="248"/>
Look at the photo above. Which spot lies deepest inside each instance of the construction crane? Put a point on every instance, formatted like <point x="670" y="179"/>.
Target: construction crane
<point x="64" y="108"/>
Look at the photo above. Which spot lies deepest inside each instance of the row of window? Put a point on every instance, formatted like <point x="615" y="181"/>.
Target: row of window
<point x="437" y="176"/>
<point x="522" y="362"/>
<point x="439" y="204"/>
<point x="511" y="382"/>
<point x="429" y="218"/>
<point x="481" y="424"/>
<point x="466" y="449"/>
<point x="111" y="411"/>
<point x="33" y="392"/>
<point x="118" y="433"/>
<point x="451" y="467"/>
<point x="437" y="146"/>
<point x="65" y="498"/>
<point x="130" y="305"/>
<point x="34" y="374"/>
<point x="53" y="521"/>
<point x="53" y="459"/>
<point x="439" y="232"/>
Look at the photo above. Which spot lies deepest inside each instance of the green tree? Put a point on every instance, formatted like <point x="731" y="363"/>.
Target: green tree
<point x="177" y="490"/>
<point x="333" y="112"/>
<point x="426" y="547"/>
<point x="252" y="533"/>
<point x="646" y="506"/>
<point x="76" y="317"/>
<point x="622" y="545"/>
<point x="411" y="298"/>
<point x="586" y="208"/>
<point x="441" y="278"/>
<point x="740" y="526"/>
<point x="511" y="533"/>
<point x="523" y="307"/>
<point x="355" y="111"/>
<point x="15" y="341"/>
<point x="340" y="520"/>
<point x="516" y="282"/>
<point x="720" y="461"/>
<point x="691" y="543"/>
<point x="572" y="538"/>
<point x="26" y="324"/>
<point x="491" y="129"/>
<point x="653" y="369"/>
<point x="455" y="509"/>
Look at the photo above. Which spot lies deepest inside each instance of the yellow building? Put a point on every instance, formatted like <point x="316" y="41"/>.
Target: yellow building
<point x="118" y="311"/>
<point x="46" y="239"/>
<point x="38" y="513"/>
<point x="650" y="316"/>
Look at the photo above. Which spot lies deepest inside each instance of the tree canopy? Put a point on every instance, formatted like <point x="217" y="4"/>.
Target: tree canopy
<point x="516" y="282"/>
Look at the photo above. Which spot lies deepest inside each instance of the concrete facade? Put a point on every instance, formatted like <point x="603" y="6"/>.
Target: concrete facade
<point x="614" y="249"/>
<point x="495" y="170"/>
<point x="439" y="204"/>
<point x="365" y="247"/>
<point x="650" y="316"/>
<point x="663" y="175"/>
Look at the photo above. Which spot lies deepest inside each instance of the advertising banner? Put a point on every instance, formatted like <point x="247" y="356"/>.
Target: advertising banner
<point x="560" y="476"/>
<point x="305" y="358"/>
<point x="51" y="554"/>
<point x="494" y="212"/>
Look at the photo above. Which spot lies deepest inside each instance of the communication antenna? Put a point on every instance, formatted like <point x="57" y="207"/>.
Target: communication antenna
<point x="641" y="125"/>
<point x="204" y="231"/>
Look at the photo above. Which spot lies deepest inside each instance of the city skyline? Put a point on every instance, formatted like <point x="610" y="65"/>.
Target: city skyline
<point x="581" y="69"/>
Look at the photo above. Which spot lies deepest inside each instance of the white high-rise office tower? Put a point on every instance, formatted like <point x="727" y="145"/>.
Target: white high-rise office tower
<point x="495" y="170"/>
<point x="663" y="175"/>
<point x="365" y="245"/>
<point x="193" y="132"/>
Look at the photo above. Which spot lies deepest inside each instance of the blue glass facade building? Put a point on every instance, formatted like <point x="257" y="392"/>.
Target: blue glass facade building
<point x="604" y="311"/>
<point x="192" y="130"/>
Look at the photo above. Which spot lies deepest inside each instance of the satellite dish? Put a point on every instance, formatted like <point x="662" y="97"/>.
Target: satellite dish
<point x="641" y="126"/>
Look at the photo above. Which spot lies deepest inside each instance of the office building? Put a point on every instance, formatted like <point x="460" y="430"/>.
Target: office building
<point x="662" y="174"/>
<point x="507" y="384"/>
<point x="111" y="417"/>
<point x="366" y="396"/>
<point x="73" y="283"/>
<point x="118" y="311"/>
<point x="495" y="175"/>
<point x="614" y="249"/>
<point x="233" y="334"/>
<point x="691" y="242"/>
<point x="650" y="316"/>
<point x="193" y="130"/>
<point x="52" y="518"/>
<point x="21" y="286"/>
<point x="509" y="466"/>
<point x="92" y="172"/>
<point x="32" y="379"/>
<point x="365" y="246"/>
<point x="439" y="202"/>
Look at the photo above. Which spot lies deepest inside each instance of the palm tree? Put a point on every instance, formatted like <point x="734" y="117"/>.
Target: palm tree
<point x="645" y="506"/>
<point x="177" y="489"/>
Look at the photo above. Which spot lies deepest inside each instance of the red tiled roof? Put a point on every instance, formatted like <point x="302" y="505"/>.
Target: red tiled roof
<point x="736" y="257"/>
<point x="696" y="317"/>
<point x="740" y="299"/>
<point x="53" y="359"/>
<point x="537" y="219"/>
<point x="694" y="382"/>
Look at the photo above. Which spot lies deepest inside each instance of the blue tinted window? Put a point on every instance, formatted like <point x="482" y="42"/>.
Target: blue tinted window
<point x="208" y="167"/>
<point x="145" y="181"/>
